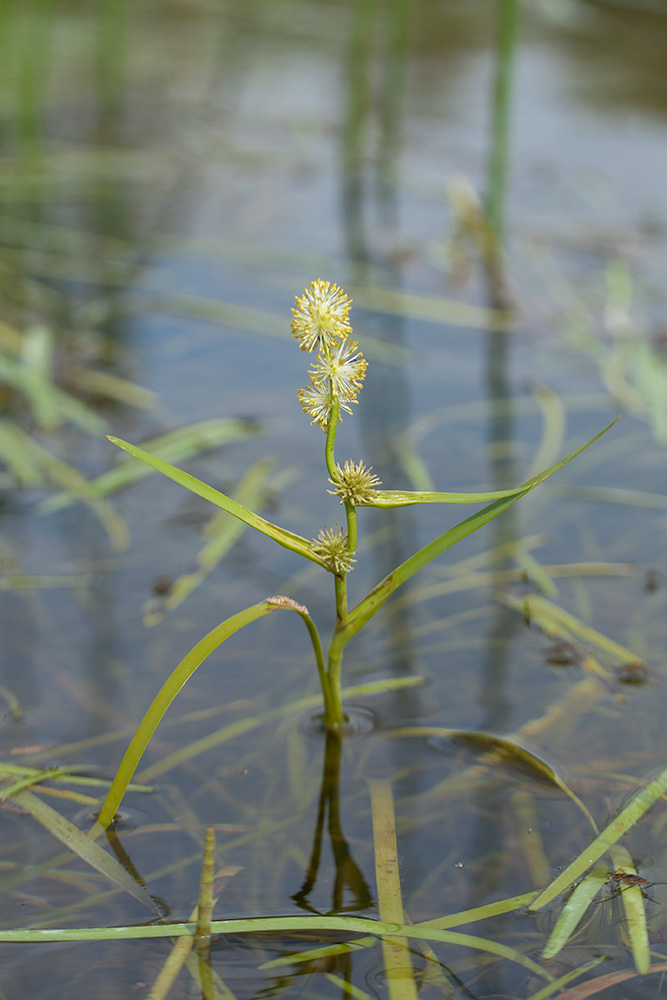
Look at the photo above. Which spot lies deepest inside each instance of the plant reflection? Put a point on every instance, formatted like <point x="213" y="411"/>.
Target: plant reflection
<point x="348" y="874"/>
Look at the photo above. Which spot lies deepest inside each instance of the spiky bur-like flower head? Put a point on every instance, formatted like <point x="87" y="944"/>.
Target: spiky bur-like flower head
<point x="343" y="367"/>
<point x="320" y="317"/>
<point x="321" y="322"/>
<point x="331" y="545"/>
<point x="355" y="483"/>
<point x="317" y="401"/>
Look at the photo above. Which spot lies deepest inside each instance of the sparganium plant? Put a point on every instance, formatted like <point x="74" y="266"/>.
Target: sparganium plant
<point x="321" y="325"/>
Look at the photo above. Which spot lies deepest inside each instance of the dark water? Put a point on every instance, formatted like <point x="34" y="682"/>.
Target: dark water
<point x="171" y="175"/>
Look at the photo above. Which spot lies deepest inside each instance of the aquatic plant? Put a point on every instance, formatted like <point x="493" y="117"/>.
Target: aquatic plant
<point x="321" y="326"/>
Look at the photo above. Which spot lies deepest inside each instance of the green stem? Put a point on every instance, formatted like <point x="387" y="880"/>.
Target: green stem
<point x="340" y="584"/>
<point x="329" y="701"/>
<point x="508" y="13"/>
<point x="336" y="647"/>
<point x="332" y="427"/>
<point x="351" y="515"/>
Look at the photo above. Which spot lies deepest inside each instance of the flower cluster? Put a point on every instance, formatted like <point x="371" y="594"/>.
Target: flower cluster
<point x="320" y="322"/>
<point x="331" y="545"/>
<point x="355" y="483"/>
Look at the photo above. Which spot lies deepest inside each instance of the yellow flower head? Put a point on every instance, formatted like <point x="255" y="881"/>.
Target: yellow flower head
<point x="343" y="367"/>
<point x="355" y="483"/>
<point x="331" y="545"/>
<point x="317" y="401"/>
<point x="320" y="317"/>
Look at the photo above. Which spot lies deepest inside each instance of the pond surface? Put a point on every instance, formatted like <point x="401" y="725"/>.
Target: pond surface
<point x="171" y="175"/>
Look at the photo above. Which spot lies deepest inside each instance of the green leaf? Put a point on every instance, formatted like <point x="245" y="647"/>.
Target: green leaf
<point x="81" y="844"/>
<point x="635" y="910"/>
<point x="558" y="985"/>
<point x="23" y="466"/>
<point x="372" y="603"/>
<point x="163" y="699"/>
<point x="485" y="912"/>
<point x="280" y="925"/>
<point x="398" y="968"/>
<point x="626" y="819"/>
<point x="388" y="499"/>
<point x="574" y="909"/>
<point x="289" y="540"/>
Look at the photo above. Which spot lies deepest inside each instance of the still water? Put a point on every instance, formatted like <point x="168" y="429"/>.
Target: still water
<point x="171" y="175"/>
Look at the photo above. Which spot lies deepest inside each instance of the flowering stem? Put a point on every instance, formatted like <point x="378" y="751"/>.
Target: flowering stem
<point x="336" y="719"/>
<point x="334" y="716"/>
<point x="351" y="515"/>
<point x="331" y="439"/>
<point x="340" y="583"/>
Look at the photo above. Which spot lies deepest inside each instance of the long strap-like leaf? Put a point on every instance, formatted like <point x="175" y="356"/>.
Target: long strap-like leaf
<point x="288" y="539"/>
<point x="77" y="841"/>
<point x="372" y="603"/>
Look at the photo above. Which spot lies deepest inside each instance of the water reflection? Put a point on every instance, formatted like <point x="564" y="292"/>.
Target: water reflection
<point x="171" y="175"/>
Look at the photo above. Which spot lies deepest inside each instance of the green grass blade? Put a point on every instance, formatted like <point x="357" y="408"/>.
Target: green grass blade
<point x="553" y="619"/>
<point x="173" y="446"/>
<point x="77" y="841"/>
<point x="22" y="465"/>
<point x="574" y="909"/>
<point x="348" y="988"/>
<point x="485" y="912"/>
<point x="635" y="910"/>
<point x="397" y="964"/>
<point x="626" y="819"/>
<point x="558" y="984"/>
<point x="366" y="608"/>
<point x="388" y="499"/>
<point x="289" y="540"/>
<point x="121" y="390"/>
<point x="204" y="915"/>
<point x="504" y="752"/>
<point x="163" y="700"/>
<point x="281" y="925"/>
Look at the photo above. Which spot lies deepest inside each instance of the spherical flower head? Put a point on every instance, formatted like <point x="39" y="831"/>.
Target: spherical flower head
<point x="355" y="483"/>
<point x="331" y="545"/>
<point x="320" y="317"/>
<point x="317" y="401"/>
<point x="343" y="366"/>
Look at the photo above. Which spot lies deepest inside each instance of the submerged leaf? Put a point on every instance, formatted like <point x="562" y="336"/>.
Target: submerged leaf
<point x="574" y="909"/>
<point x="397" y="963"/>
<point x="77" y="841"/>
<point x="626" y="819"/>
<point x="632" y="897"/>
<point x="501" y="751"/>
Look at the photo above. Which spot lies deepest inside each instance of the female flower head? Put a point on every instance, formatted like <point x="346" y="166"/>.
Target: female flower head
<point x="331" y="545"/>
<point x="320" y="317"/>
<point x="355" y="483"/>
